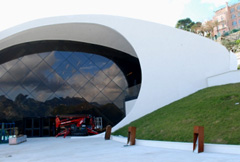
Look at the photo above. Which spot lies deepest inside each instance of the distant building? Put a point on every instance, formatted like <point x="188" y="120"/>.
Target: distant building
<point x="228" y="18"/>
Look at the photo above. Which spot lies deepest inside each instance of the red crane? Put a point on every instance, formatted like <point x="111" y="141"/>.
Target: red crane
<point x="75" y="125"/>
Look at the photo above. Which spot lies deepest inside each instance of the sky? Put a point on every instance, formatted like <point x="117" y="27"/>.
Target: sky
<point x="168" y="12"/>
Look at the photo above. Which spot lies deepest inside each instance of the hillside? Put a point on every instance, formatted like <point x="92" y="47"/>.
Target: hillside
<point x="215" y="108"/>
<point x="231" y="41"/>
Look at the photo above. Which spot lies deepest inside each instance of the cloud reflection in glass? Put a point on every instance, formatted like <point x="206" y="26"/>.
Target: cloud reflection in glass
<point x="64" y="74"/>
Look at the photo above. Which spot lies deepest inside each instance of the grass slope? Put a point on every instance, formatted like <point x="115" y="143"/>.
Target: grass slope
<point x="214" y="108"/>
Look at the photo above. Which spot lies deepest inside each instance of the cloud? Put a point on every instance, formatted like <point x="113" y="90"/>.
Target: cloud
<point x="105" y="86"/>
<point x="150" y="10"/>
<point x="216" y="3"/>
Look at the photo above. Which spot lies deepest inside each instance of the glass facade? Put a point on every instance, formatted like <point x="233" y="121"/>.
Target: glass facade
<point x="62" y="82"/>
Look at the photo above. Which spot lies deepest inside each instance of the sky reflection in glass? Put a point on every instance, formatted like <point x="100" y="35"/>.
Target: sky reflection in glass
<point x="64" y="74"/>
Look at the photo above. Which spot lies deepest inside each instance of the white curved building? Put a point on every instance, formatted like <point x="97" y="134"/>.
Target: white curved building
<point x="165" y="63"/>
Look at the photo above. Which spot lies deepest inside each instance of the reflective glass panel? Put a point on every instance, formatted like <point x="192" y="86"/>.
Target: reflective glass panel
<point x="7" y="82"/>
<point x="30" y="82"/>
<point x="10" y="64"/>
<point x="100" y="80"/>
<point x="2" y="71"/>
<point x="19" y="71"/>
<point x="111" y="70"/>
<point x="16" y="91"/>
<point x="112" y="91"/>
<point x="31" y="60"/>
<point x="61" y="83"/>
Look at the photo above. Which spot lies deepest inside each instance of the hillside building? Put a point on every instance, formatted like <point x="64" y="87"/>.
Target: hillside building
<point x="228" y="18"/>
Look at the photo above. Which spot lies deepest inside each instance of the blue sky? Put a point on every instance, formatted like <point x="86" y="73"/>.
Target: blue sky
<point x="168" y="12"/>
<point x="201" y="10"/>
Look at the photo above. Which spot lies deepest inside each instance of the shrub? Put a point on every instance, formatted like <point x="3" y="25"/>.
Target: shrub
<point x="237" y="41"/>
<point x="234" y="30"/>
<point x="226" y="34"/>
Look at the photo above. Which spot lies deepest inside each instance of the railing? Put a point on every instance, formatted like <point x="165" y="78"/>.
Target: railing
<point x="7" y="130"/>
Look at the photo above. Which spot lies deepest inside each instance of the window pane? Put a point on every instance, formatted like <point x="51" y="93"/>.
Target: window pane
<point x="65" y="91"/>
<point x="42" y="93"/>
<point x="42" y="70"/>
<point x="2" y="71"/>
<point x="65" y="70"/>
<point x="31" y="60"/>
<point x="120" y="81"/>
<point x="112" y="91"/>
<point x="17" y="91"/>
<point x="102" y="99"/>
<point x="89" y="91"/>
<point x="111" y="71"/>
<point x="89" y="69"/>
<point x="77" y="59"/>
<point x="19" y="71"/>
<point x="77" y="81"/>
<point x="100" y="61"/>
<point x="30" y="82"/>
<point x="7" y="82"/>
<point x="54" y="59"/>
<point x="10" y="64"/>
<point x="54" y="82"/>
<point x="100" y="80"/>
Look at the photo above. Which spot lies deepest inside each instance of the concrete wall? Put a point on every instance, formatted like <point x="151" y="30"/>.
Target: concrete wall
<point x="233" y="76"/>
<point x="233" y="61"/>
<point x="187" y="146"/>
<point x="174" y="63"/>
<point x="225" y="78"/>
<point x="129" y="106"/>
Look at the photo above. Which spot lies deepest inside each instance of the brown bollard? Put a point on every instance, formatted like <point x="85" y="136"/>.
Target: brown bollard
<point x="198" y="133"/>
<point x="131" y="135"/>
<point x="108" y="132"/>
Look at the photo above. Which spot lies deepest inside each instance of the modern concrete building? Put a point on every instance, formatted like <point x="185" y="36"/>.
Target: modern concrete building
<point x="114" y="67"/>
<point x="228" y="18"/>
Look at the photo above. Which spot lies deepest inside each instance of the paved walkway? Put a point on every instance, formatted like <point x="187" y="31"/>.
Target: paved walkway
<point x="97" y="149"/>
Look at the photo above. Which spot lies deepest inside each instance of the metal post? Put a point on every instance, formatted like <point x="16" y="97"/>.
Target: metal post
<point x="108" y="132"/>
<point x="131" y="135"/>
<point x="198" y="135"/>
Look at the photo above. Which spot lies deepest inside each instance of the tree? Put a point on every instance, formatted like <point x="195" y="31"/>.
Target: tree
<point x="209" y="27"/>
<point x="197" y="28"/>
<point x="185" y="24"/>
<point x="216" y="23"/>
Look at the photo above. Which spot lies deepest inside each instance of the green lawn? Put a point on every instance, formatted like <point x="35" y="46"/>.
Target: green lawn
<point x="214" y="108"/>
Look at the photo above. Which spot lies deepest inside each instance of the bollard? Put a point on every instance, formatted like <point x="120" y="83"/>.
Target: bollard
<point x="108" y="132"/>
<point x="198" y="135"/>
<point x="131" y="135"/>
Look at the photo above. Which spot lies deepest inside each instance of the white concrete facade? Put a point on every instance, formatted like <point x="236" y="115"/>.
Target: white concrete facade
<point x="129" y="105"/>
<point x="174" y="63"/>
<point x="225" y="78"/>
